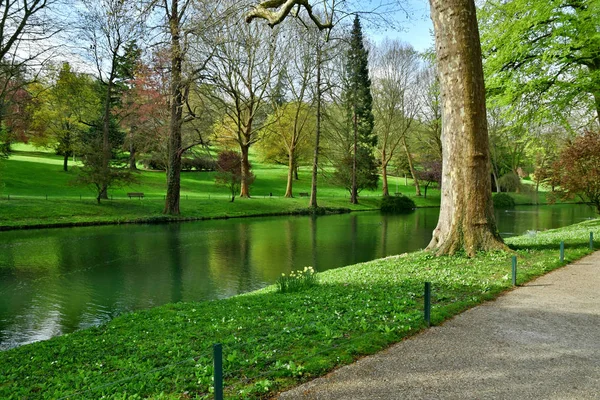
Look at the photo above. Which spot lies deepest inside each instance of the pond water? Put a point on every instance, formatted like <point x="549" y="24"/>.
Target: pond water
<point x="56" y="281"/>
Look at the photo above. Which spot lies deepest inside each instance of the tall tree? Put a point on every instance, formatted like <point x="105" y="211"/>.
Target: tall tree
<point x="358" y="101"/>
<point x="395" y="73"/>
<point x="466" y="215"/>
<point x="109" y="26"/>
<point x="293" y="121"/>
<point x="466" y="219"/>
<point x="242" y="69"/>
<point x="544" y="54"/>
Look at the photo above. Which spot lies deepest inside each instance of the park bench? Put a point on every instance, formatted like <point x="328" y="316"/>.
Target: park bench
<point x="136" y="194"/>
<point x="303" y="194"/>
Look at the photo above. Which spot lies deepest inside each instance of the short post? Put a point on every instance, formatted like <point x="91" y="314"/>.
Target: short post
<point x="591" y="240"/>
<point x="46" y="197"/>
<point x="218" y="373"/>
<point x="562" y="251"/>
<point x="514" y="270"/>
<point x="427" y="305"/>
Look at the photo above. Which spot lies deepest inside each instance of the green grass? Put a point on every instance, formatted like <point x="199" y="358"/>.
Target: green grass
<point x="272" y="341"/>
<point x="41" y="194"/>
<point x="29" y="177"/>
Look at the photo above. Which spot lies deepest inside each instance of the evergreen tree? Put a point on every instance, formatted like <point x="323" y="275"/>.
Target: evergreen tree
<point x="358" y="102"/>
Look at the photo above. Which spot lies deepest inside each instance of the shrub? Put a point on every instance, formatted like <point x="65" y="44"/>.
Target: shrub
<point x="297" y="280"/>
<point x="397" y="204"/>
<point x="509" y="182"/>
<point x="154" y="162"/>
<point x="503" y="200"/>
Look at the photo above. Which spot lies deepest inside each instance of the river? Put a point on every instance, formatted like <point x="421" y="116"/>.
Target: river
<point x="56" y="281"/>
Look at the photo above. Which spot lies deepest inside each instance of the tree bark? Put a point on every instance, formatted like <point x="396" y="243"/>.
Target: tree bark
<point x="66" y="162"/>
<point x="132" y="154"/>
<point x="313" y="188"/>
<point x="244" y="186"/>
<point x="106" y="153"/>
<point x="384" y="179"/>
<point x="174" y="145"/>
<point x="291" y="169"/>
<point x="354" y="189"/>
<point x="411" y="167"/>
<point x="466" y="219"/>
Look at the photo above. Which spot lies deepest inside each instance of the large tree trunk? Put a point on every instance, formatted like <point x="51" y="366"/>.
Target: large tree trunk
<point x="354" y="189"/>
<point x="384" y="179"/>
<point x="291" y="168"/>
<point x="244" y="186"/>
<point x="411" y="167"/>
<point x="174" y="146"/>
<point x="132" y="156"/>
<point x="313" y="187"/>
<point x="466" y="219"/>
<point x="66" y="161"/>
<point x="106" y="153"/>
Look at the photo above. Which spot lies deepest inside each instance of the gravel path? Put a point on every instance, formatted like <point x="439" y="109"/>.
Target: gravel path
<point x="540" y="341"/>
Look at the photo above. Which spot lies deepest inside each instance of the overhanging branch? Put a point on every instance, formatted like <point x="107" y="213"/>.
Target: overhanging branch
<point x="265" y="10"/>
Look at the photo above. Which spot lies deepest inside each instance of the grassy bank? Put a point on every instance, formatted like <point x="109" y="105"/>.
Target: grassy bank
<point x="273" y="341"/>
<point x="35" y="192"/>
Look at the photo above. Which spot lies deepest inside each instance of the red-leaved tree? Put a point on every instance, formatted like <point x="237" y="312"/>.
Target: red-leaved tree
<point x="229" y="171"/>
<point x="577" y="170"/>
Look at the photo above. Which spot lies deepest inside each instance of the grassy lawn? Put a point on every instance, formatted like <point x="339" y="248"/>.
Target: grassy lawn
<point x="42" y="194"/>
<point x="272" y="341"/>
<point x="34" y="191"/>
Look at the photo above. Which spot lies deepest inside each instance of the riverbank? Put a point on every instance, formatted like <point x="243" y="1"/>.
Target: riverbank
<point x="31" y="213"/>
<point x="273" y="341"/>
<point x="21" y="212"/>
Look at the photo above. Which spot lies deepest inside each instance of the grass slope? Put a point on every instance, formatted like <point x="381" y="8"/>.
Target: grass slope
<point x="41" y="194"/>
<point x="273" y="341"/>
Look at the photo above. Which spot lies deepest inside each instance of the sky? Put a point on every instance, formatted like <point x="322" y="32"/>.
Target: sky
<point x="415" y="29"/>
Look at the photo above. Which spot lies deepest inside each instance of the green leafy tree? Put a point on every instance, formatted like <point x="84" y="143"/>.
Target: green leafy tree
<point x="94" y="172"/>
<point x="359" y="176"/>
<point x="358" y="102"/>
<point x="65" y="111"/>
<point x="543" y="54"/>
<point x="286" y="138"/>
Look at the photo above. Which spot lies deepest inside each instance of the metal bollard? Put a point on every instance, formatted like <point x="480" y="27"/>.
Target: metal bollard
<point x="218" y="370"/>
<point x="514" y="270"/>
<point x="562" y="251"/>
<point x="427" y="304"/>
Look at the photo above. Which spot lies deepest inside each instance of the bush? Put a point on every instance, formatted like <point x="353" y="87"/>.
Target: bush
<point x="297" y="280"/>
<point x="203" y="163"/>
<point x="509" y="182"/>
<point x="155" y="162"/>
<point x="503" y="200"/>
<point x="397" y="204"/>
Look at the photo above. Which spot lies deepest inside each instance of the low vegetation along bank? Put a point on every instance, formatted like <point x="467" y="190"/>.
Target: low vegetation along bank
<point x="272" y="341"/>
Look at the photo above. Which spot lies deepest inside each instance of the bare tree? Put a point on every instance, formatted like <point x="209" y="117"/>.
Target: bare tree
<point x="394" y="104"/>
<point x="242" y="68"/>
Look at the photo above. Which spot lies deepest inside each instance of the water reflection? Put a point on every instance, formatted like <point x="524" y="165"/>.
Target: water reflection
<point x="57" y="281"/>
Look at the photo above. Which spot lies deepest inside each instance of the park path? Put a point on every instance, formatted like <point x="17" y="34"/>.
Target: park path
<point x="539" y="341"/>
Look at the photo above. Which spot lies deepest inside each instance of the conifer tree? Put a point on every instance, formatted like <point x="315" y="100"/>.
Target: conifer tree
<point x="358" y="102"/>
